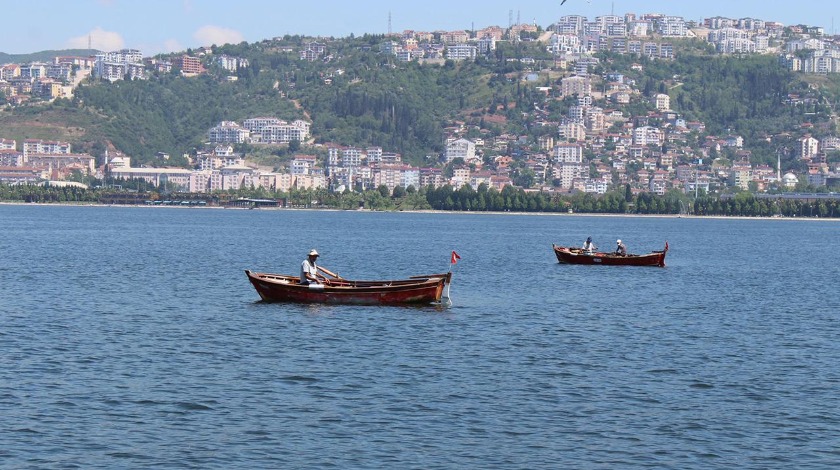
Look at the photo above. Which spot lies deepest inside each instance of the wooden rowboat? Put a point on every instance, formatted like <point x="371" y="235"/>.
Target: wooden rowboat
<point x="571" y="255"/>
<point x="414" y="290"/>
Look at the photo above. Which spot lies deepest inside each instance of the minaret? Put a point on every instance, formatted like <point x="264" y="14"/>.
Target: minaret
<point x="778" y="166"/>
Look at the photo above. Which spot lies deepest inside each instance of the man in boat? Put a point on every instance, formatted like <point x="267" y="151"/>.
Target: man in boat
<point x="620" y="248"/>
<point x="309" y="270"/>
<point x="588" y="246"/>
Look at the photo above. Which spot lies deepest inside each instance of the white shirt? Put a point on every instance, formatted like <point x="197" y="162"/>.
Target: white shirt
<point x="307" y="268"/>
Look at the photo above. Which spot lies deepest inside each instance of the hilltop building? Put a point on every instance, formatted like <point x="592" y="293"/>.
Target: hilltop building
<point x="119" y="65"/>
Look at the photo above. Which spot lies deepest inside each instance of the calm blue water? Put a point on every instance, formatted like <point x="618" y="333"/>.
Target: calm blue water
<point x="131" y="338"/>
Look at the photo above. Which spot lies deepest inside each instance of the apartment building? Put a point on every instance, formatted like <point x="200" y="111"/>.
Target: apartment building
<point x="303" y="164"/>
<point x="8" y="144"/>
<point x="10" y="157"/>
<point x="374" y="155"/>
<point x="257" y="124"/>
<point x="175" y="179"/>
<point x="566" y="172"/>
<point x="228" y="131"/>
<point x="671" y="26"/>
<point x="662" y="102"/>
<point x="577" y="85"/>
<point x="392" y="176"/>
<point x="808" y="147"/>
<point x="570" y="24"/>
<point x="461" y="52"/>
<point x="216" y="161"/>
<point x="460" y="148"/>
<point x="432" y="177"/>
<point x="118" y="65"/>
<point x="351" y="157"/>
<point x="454" y="37"/>
<point x="21" y="174"/>
<point x="231" y="64"/>
<point x="37" y="146"/>
<point x="568" y="153"/>
<point x="647" y="135"/>
<point x="188" y="65"/>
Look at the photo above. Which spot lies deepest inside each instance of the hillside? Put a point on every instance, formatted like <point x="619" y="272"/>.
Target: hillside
<point x="44" y="56"/>
<point x="358" y="96"/>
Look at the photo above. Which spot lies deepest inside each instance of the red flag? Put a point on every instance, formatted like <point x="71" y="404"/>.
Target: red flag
<point x="455" y="258"/>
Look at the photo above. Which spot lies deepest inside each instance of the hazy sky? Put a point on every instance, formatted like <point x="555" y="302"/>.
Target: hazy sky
<point x="155" y="26"/>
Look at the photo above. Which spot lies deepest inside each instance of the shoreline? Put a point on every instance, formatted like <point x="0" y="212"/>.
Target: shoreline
<point x="426" y="211"/>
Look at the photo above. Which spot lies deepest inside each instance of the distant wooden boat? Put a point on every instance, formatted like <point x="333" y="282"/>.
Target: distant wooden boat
<point x="414" y="290"/>
<point x="572" y="255"/>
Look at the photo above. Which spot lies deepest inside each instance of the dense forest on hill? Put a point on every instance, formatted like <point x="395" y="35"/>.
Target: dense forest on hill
<point x="356" y="95"/>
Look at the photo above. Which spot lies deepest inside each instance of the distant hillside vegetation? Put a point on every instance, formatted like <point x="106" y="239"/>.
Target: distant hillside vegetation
<point x="44" y="56"/>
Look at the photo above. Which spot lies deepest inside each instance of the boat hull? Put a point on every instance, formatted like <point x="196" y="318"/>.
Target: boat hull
<point x="571" y="255"/>
<point x="415" y="290"/>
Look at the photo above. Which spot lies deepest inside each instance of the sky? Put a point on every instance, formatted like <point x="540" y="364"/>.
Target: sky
<point x="161" y="26"/>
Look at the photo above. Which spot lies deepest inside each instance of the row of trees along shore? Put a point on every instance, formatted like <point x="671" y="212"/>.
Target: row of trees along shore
<point x="446" y="198"/>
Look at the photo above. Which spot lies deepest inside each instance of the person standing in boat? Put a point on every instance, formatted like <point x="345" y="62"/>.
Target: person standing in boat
<point x="588" y="246"/>
<point x="620" y="248"/>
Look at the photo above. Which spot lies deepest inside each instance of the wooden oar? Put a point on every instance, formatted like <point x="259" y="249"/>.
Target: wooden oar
<point x="327" y="271"/>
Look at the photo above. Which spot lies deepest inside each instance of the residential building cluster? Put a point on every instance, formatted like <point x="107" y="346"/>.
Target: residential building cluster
<point x="822" y="55"/>
<point x="351" y="168"/>
<point x="264" y="130"/>
<point x="593" y="149"/>
<point x="573" y="36"/>
<point x="57" y="79"/>
<point x="571" y="39"/>
<point x="650" y="153"/>
<point x="222" y="169"/>
<point x="130" y="64"/>
<point x="38" y="160"/>
<point x="47" y="81"/>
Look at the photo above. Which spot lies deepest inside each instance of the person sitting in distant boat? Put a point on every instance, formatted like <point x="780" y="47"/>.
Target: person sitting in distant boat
<point x="620" y="248"/>
<point x="588" y="246"/>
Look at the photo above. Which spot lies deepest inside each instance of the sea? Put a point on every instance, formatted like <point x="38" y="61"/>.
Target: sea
<point x="130" y="337"/>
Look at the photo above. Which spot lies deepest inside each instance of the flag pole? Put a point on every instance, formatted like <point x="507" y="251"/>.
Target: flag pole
<point x="452" y="261"/>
